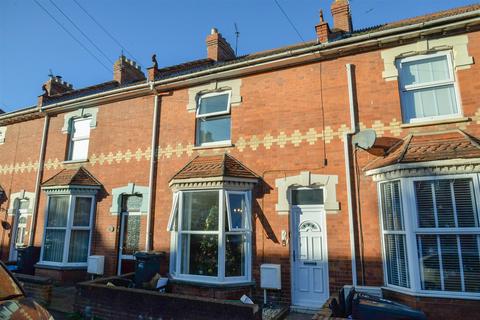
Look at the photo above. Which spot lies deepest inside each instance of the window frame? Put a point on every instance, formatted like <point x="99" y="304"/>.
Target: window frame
<point x="213" y="116"/>
<point x="73" y="139"/>
<point x="403" y="89"/>
<point x="176" y="253"/>
<point x="408" y="200"/>
<point x="68" y="230"/>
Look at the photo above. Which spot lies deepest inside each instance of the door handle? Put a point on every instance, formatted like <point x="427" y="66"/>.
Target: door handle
<point x="309" y="263"/>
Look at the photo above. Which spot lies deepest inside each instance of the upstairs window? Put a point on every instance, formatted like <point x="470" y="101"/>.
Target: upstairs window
<point x="427" y="87"/>
<point x="213" y="119"/>
<point x="79" y="139"/>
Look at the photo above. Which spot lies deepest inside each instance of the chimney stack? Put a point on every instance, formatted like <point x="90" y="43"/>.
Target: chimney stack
<point x="342" y="18"/>
<point x="126" y="71"/>
<point x="218" y="48"/>
<point x="323" y="30"/>
<point x="55" y="85"/>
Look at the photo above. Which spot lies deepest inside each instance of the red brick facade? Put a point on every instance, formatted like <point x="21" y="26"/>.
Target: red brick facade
<point x="291" y="118"/>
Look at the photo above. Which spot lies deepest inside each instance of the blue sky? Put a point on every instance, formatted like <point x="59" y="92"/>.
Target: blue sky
<point x="31" y="43"/>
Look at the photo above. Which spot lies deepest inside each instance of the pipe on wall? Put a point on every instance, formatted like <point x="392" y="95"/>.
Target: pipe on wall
<point x="38" y="181"/>
<point x="348" y="161"/>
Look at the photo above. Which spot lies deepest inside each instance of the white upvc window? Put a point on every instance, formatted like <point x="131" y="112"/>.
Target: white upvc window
<point x="68" y="227"/>
<point x="79" y="139"/>
<point x="428" y="88"/>
<point x="213" y="119"/>
<point x="211" y="236"/>
<point x="442" y="244"/>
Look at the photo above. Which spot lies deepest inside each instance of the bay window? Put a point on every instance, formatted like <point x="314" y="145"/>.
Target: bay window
<point x="211" y="235"/>
<point x="67" y="230"/>
<point x="434" y="250"/>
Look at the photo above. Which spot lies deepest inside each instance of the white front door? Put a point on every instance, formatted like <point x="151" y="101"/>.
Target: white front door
<point x="19" y="234"/>
<point x="309" y="257"/>
<point x="129" y="243"/>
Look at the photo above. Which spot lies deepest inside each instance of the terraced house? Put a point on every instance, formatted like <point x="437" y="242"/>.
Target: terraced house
<point x="350" y="159"/>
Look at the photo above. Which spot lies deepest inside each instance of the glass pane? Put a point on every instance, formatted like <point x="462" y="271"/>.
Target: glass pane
<point x="131" y="234"/>
<point x="212" y="104"/>
<point x="307" y="196"/>
<point x="443" y="203"/>
<point x="132" y="203"/>
<point x="238" y="210"/>
<point x="430" y="102"/>
<point x="23" y="205"/>
<point x="425" y="210"/>
<point x="80" y="149"/>
<point x="425" y="70"/>
<point x="213" y="130"/>
<point x="53" y="245"/>
<point x="81" y="128"/>
<point x="200" y="211"/>
<point x="465" y="203"/>
<point x="235" y="255"/>
<point x="429" y="262"/>
<point x="81" y="215"/>
<point x="57" y="211"/>
<point x="199" y="254"/>
<point x="450" y="263"/>
<point x="470" y="250"/>
<point x="78" y="249"/>
<point x="391" y="206"/>
<point x="396" y="258"/>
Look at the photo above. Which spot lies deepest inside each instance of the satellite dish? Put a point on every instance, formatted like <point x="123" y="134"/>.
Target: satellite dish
<point x="364" y="139"/>
<point x="6" y="225"/>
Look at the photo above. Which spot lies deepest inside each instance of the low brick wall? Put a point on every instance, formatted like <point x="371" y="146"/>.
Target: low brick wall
<point x="437" y="308"/>
<point x="108" y="302"/>
<point x="36" y="287"/>
<point x="210" y="291"/>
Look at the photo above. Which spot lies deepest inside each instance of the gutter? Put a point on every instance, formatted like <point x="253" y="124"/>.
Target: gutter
<point x="38" y="181"/>
<point x="388" y="35"/>
<point x="347" y="150"/>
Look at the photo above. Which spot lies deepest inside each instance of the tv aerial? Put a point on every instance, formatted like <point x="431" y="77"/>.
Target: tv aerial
<point x="237" y="35"/>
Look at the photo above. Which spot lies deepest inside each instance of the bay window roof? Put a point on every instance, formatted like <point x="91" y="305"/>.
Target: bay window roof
<point x="214" y="167"/>
<point x="415" y="148"/>
<point x="72" y="177"/>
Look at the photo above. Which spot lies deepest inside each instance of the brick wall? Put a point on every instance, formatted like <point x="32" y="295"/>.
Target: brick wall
<point x="37" y="288"/>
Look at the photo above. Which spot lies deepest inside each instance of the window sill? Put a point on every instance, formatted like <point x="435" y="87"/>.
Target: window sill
<point x="75" y="161"/>
<point x="435" y="122"/>
<point x="445" y="295"/>
<point x="214" y="146"/>
<point x="210" y="284"/>
<point x="41" y="265"/>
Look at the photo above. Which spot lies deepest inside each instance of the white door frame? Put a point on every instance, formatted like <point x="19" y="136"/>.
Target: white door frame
<point x="13" y="240"/>
<point x="121" y="256"/>
<point x="293" y="246"/>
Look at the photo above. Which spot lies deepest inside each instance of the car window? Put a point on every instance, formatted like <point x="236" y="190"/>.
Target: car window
<point x="8" y="287"/>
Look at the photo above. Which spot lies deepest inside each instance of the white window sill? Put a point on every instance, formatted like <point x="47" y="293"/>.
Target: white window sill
<point x="435" y="294"/>
<point x="435" y="122"/>
<point x="60" y="266"/>
<point x="75" y="161"/>
<point x="214" y="146"/>
<point x="207" y="283"/>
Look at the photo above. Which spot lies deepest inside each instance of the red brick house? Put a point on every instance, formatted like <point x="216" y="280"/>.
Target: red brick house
<point x="227" y="163"/>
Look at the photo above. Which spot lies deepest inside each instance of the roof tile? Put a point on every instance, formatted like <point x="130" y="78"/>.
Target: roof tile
<point x="72" y="177"/>
<point x="214" y="166"/>
<point x="430" y="147"/>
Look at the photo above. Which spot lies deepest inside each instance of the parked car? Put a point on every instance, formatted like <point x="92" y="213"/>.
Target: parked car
<point x="14" y="305"/>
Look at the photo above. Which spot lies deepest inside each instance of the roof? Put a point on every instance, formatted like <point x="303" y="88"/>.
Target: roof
<point x="214" y="166"/>
<point x="72" y="177"/>
<point x="420" y="19"/>
<point x="207" y="64"/>
<point x="430" y="147"/>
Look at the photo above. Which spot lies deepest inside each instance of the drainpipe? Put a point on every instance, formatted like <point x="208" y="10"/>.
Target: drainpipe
<point x="153" y="157"/>
<point x="38" y="181"/>
<point x="346" y="147"/>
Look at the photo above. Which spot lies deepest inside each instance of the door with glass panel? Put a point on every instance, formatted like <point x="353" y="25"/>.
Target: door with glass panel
<point x="309" y="249"/>
<point x="131" y="239"/>
<point x="20" y="233"/>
